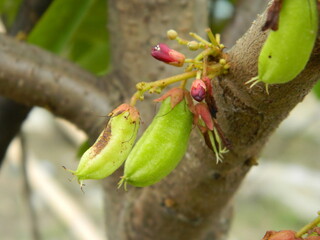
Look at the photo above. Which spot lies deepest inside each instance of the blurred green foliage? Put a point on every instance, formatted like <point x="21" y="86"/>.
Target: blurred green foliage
<point x="89" y="46"/>
<point x="8" y="10"/>
<point x="58" y="24"/>
<point x="75" y="29"/>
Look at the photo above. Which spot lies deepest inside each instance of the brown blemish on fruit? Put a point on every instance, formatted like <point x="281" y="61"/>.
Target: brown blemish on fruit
<point x="102" y="141"/>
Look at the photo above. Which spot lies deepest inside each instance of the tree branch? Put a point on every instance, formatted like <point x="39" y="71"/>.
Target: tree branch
<point x="34" y="77"/>
<point x="194" y="201"/>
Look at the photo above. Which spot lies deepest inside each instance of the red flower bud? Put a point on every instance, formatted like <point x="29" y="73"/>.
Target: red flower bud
<point x="198" y="90"/>
<point x="167" y="55"/>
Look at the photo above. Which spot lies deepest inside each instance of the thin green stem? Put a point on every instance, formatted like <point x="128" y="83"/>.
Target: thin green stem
<point x="189" y="60"/>
<point x="182" y="41"/>
<point x="309" y="226"/>
<point x="167" y="81"/>
<point x="212" y="38"/>
<point x="200" y="39"/>
<point x="209" y="51"/>
<point x="198" y="76"/>
<point x="158" y="85"/>
<point x="204" y="66"/>
<point x="136" y="96"/>
<point x="218" y="39"/>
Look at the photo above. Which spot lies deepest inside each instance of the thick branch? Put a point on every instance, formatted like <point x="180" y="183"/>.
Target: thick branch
<point x="32" y="76"/>
<point x="192" y="202"/>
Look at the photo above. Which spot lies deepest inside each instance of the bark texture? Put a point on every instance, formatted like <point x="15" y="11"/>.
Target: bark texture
<point x="194" y="202"/>
<point x="32" y="76"/>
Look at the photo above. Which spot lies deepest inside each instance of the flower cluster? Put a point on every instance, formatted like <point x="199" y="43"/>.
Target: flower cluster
<point x="207" y="65"/>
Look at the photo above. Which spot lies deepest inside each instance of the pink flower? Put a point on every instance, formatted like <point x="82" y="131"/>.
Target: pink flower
<point x="198" y="90"/>
<point x="167" y="55"/>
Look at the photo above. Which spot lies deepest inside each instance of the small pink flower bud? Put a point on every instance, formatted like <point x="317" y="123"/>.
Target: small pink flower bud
<point x="198" y="90"/>
<point x="167" y="55"/>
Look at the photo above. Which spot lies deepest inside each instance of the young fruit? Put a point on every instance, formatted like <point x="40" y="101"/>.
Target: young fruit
<point x="286" y="51"/>
<point x="162" y="145"/>
<point x="112" y="146"/>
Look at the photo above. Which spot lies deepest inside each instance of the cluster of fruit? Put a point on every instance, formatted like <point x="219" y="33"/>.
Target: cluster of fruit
<point x="163" y="144"/>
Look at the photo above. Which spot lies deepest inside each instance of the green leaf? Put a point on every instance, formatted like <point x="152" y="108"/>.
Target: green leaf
<point x="59" y="23"/>
<point x="90" y="45"/>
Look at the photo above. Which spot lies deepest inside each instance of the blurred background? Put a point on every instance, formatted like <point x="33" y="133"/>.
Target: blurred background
<point x="282" y="192"/>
